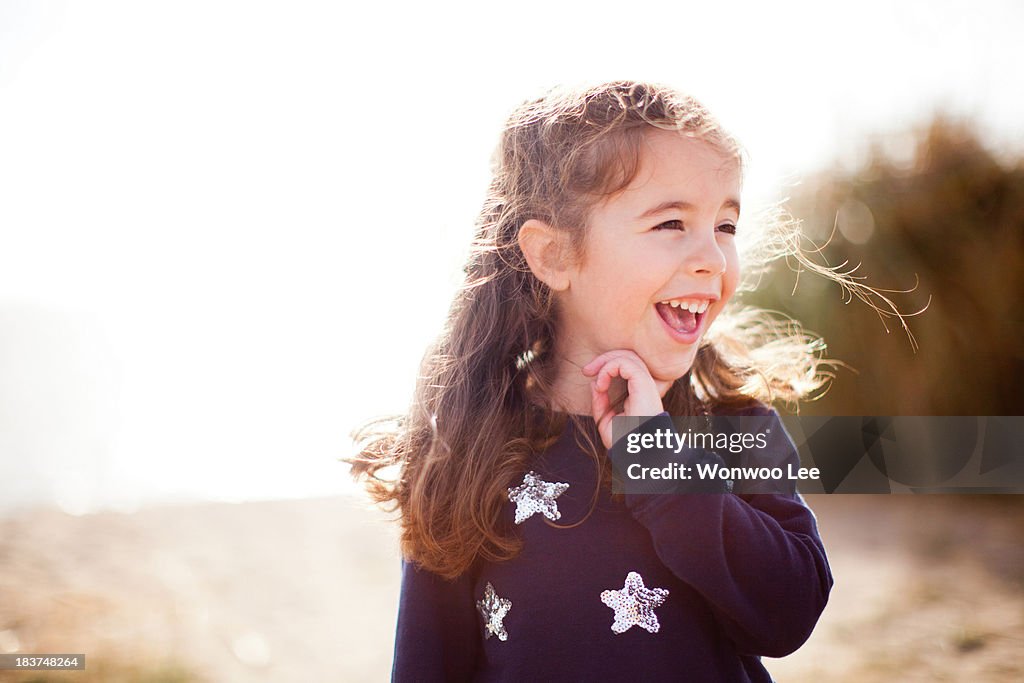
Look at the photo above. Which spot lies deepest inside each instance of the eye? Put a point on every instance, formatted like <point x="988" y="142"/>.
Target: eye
<point x="676" y="224"/>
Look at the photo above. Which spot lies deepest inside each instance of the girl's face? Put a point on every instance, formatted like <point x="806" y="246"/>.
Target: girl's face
<point x="659" y="262"/>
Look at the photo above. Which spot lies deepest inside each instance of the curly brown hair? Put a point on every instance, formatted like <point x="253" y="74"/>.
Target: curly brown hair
<point x="476" y="417"/>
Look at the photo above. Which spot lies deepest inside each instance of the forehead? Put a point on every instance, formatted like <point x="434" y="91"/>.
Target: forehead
<point x="679" y="169"/>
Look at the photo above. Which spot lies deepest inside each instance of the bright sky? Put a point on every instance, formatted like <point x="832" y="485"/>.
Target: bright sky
<point x="229" y="229"/>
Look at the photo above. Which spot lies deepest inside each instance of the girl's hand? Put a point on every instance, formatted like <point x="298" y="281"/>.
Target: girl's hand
<point x="643" y="393"/>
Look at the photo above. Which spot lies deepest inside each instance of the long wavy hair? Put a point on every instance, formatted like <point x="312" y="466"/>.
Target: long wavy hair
<point x="477" y="416"/>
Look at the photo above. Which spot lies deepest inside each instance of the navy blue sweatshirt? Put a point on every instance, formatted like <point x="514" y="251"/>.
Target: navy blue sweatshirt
<point x="691" y="587"/>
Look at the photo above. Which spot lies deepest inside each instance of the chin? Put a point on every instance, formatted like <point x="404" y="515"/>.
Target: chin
<point x="670" y="373"/>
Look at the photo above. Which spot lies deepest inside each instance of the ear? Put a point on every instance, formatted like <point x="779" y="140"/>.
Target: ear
<point x="546" y="253"/>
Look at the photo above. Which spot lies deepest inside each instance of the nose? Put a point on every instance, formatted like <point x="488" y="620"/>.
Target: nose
<point x="705" y="258"/>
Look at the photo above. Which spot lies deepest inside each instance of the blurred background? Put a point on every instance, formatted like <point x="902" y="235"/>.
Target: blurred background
<point x="228" y="231"/>
<point x="935" y="211"/>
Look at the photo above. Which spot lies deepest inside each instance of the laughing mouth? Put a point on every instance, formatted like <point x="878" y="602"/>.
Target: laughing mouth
<point x="683" y="315"/>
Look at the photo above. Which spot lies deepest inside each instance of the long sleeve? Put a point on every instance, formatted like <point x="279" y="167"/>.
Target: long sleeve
<point x="437" y="636"/>
<point x="757" y="559"/>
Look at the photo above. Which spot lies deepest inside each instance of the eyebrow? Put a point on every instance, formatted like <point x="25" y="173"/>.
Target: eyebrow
<point x="730" y="203"/>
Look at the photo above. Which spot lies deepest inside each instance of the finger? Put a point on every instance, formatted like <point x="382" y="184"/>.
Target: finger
<point x="625" y="367"/>
<point x="637" y="376"/>
<point x="603" y="384"/>
<point x="603" y="415"/>
<point x="597" y="361"/>
<point x="605" y="430"/>
<point x="594" y="366"/>
<point x="642" y="396"/>
<point x="604" y="376"/>
<point x="600" y="405"/>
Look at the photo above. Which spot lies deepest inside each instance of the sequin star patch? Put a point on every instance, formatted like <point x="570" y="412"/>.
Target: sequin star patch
<point x="494" y="610"/>
<point x="536" y="495"/>
<point x="634" y="605"/>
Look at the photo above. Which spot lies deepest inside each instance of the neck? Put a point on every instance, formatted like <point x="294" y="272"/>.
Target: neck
<point x="571" y="391"/>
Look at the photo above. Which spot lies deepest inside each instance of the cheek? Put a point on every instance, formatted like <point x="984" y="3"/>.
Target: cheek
<point x="731" y="278"/>
<point x="730" y="281"/>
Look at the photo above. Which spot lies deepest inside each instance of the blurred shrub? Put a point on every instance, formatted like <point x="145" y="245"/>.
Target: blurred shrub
<point x="936" y="208"/>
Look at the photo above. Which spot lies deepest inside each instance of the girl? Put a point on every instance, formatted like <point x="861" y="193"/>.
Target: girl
<point x="606" y="249"/>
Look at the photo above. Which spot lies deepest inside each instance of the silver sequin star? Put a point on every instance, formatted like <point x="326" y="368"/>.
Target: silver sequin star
<point x="634" y="605"/>
<point x="494" y="610"/>
<point x="536" y="495"/>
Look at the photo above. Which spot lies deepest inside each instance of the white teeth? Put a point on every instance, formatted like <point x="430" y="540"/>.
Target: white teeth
<point x="693" y="306"/>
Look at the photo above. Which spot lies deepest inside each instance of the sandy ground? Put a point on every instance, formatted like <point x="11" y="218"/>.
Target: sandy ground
<point x="927" y="588"/>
